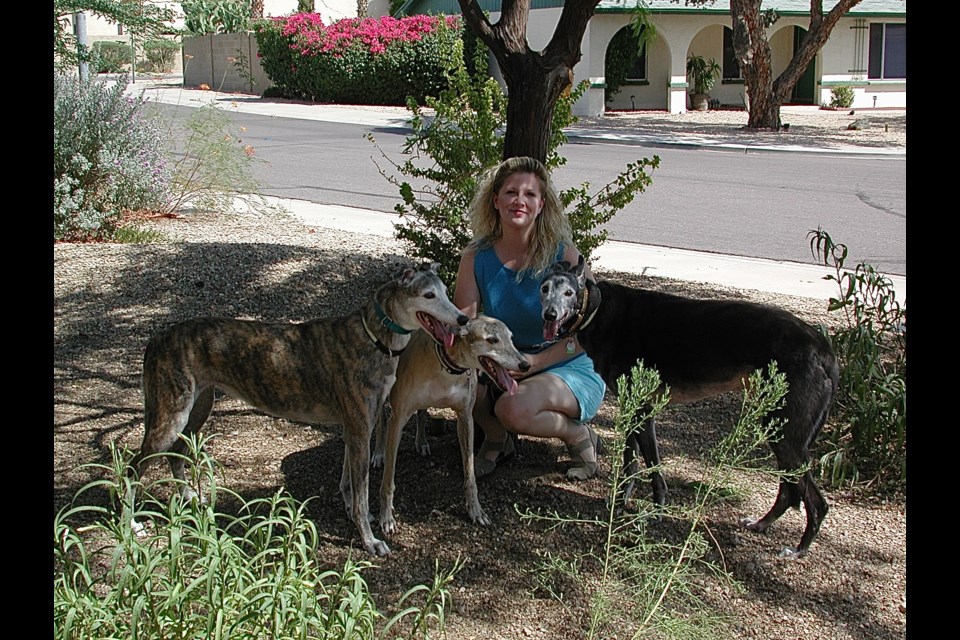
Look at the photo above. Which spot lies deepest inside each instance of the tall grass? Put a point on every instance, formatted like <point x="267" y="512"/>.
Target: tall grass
<point x="188" y="570"/>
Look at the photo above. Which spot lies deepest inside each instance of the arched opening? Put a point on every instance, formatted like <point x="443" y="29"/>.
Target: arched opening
<point x="625" y="64"/>
<point x="636" y="74"/>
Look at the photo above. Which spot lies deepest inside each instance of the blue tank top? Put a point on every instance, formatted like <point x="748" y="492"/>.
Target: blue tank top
<point x="517" y="305"/>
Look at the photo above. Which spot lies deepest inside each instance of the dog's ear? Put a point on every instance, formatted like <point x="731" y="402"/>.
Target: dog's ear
<point x="405" y="276"/>
<point x="560" y="266"/>
<point x="430" y="266"/>
<point x="578" y="271"/>
<point x="581" y="263"/>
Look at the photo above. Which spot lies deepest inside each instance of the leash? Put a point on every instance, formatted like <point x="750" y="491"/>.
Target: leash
<point x="448" y="365"/>
<point x="389" y="324"/>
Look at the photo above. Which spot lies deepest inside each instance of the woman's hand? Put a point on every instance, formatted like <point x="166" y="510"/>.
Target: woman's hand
<point x="557" y="352"/>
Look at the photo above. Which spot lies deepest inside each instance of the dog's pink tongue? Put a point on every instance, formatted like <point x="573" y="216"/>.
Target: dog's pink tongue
<point x="550" y="330"/>
<point x="448" y="337"/>
<point x="506" y="381"/>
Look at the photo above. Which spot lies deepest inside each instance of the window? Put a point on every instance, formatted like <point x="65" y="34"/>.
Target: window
<point x="731" y="70"/>
<point x="888" y="51"/>
<point x="638" y="70"/>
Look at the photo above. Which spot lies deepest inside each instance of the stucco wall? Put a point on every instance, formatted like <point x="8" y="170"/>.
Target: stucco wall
<point x="682" y="35"/>
<point x="213" y="60"/>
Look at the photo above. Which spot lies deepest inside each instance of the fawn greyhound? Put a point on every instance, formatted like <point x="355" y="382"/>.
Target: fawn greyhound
<point x="445" y="377"/>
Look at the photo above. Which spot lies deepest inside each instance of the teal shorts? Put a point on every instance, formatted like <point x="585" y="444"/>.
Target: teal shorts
<point x="585" y="383"/>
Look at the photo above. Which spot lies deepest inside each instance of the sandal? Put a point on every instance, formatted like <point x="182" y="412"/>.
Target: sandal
<point x="482" y="466"/>
<point x="582" y="469"/>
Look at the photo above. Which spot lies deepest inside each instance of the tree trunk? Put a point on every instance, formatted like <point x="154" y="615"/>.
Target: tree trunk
<point x="535" y="79"/>
<point x="753" y="54"/>
<point x="532" y="93"/>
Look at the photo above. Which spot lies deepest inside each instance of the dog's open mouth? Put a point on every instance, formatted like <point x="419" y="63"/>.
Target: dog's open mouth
<point x="499" y="375"/>
<point x="551" y="328"/>
<point x="437" y="330"/>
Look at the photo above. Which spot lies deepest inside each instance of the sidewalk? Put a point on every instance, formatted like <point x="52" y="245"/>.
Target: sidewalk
<point x="788" y="278"/>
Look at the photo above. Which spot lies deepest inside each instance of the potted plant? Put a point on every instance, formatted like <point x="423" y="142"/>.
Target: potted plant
<point x="702" y="73"/>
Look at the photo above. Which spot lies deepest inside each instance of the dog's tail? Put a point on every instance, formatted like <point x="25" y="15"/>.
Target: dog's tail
<point x="830" y="383"/>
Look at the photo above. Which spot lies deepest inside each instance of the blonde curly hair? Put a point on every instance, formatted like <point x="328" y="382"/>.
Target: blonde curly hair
<point x="552" y="226"/>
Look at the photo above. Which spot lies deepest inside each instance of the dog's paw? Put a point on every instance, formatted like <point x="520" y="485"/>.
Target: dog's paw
<point x="790" y="552"/>
<point x="139" y="529"/>
<point x="424" y="449"/>
<point x="479" y="517"/>
<point x="752" y="524"/>
<point x="388" y="524"/>
<point x="376" y="460"/>
<point x="377" y="547"/>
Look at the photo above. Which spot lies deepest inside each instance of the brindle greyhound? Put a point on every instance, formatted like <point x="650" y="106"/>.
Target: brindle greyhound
<point x="702" y="348"/>
<point x="327" y="370"/>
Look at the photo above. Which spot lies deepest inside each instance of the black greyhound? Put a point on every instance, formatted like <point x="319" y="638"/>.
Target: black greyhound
<point x="702" y="348"/>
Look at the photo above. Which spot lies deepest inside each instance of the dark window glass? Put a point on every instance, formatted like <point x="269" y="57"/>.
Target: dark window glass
<point x="731" y="70"/>
<point x="888" y="51"/>
<point x="639" y="69"/>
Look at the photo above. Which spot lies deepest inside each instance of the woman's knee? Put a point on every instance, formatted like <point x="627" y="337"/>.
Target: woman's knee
<point x="513" y="413"/>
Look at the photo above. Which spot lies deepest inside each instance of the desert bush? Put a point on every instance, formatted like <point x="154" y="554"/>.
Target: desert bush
<point x="644" y="587"/>
<point x="190" y="570"/>
<point x="159" y="55"/>
<point x="868" y="436"/>
<point x="211" y="165"/>
<point x="110" y="56"/>
<point x="841" y="96"/>
<point x="358" y="61"/>
<point x="456" y="137"/>
<point x="107" y="158"/>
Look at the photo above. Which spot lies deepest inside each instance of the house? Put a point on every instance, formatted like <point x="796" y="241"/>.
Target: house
<point x="866" y="51"/>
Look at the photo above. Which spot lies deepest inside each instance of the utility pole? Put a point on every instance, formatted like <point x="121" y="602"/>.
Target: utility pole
<point x="80" y="23"/>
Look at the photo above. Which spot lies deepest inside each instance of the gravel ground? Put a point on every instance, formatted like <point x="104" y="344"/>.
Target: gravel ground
<point x="110" y="298"/>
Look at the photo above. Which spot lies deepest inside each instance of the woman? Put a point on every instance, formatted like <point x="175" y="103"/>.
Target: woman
<point x="519" y="230"/>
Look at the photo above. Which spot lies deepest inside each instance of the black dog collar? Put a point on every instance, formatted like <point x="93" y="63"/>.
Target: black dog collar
<point x="384" y="349"/>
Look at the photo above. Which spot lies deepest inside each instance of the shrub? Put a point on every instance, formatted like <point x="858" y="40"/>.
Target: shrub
<point x="451" y="149"/>
<point x="358" y="61"/>
<point x="107" y="158"/>
<point x="841" y="96"/>
<point x="159" y="55"/>
<point x="110" y="57"/>
<point x="653" y="586"/>
<point x="211" y="168"/>
<point x="870" y="442"/>
<point x="459" y="140"/>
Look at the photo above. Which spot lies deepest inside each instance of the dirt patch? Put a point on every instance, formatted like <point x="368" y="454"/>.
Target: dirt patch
<point x="110" y="298"/>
